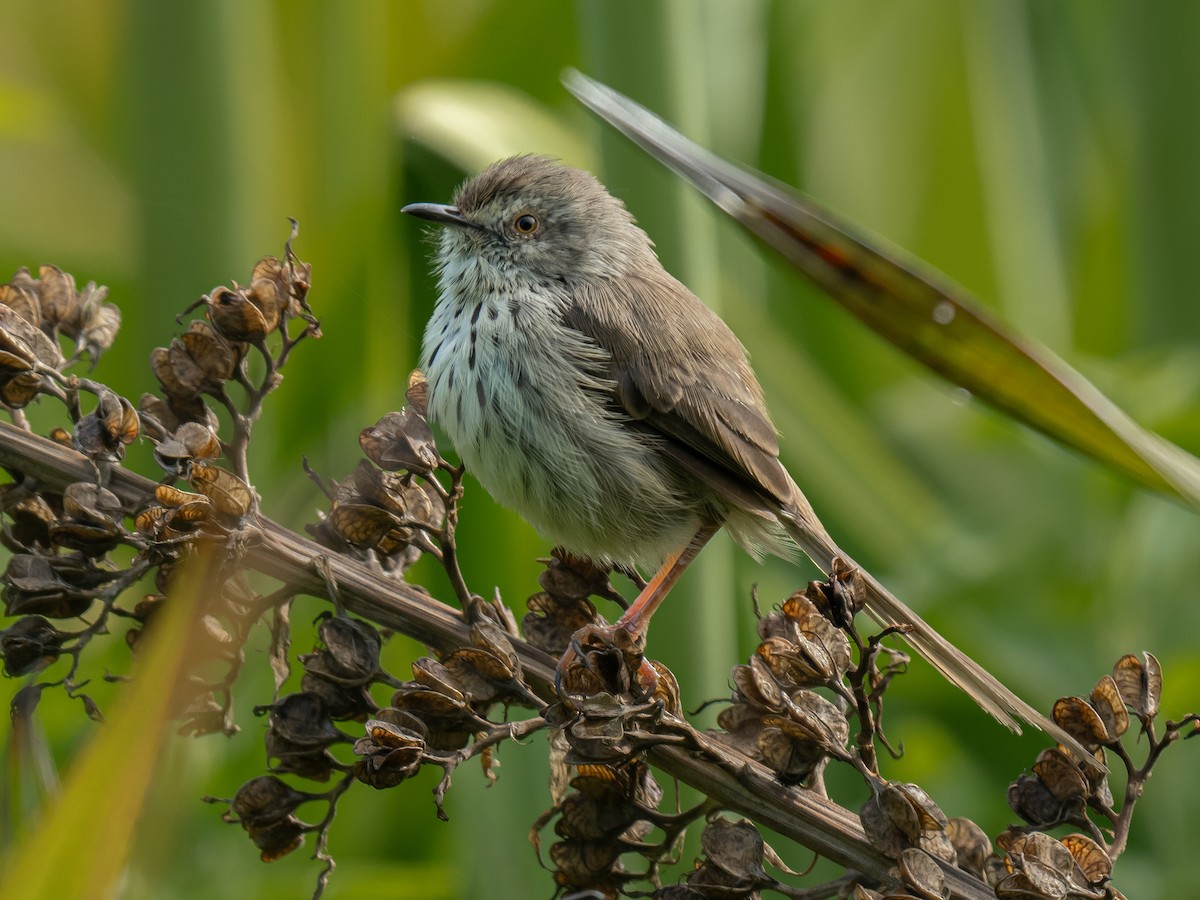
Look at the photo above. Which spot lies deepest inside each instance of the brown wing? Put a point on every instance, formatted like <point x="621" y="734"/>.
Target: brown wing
<point x="685" y="378"/>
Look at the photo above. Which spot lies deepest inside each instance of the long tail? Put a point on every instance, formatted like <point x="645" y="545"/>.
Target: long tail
<point x="958" y="668"/>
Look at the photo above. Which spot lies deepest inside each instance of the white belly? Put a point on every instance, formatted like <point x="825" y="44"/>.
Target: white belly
<point x="518" y="397"/>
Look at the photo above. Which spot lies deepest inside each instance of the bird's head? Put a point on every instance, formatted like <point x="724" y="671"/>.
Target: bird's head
<point x="548" y="220"/>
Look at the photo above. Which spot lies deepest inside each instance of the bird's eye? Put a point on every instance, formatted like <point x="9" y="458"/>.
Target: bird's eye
<point x="526" y="223"/>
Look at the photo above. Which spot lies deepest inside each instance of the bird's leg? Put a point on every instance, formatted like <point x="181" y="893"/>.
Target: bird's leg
<point x="637" y="618"/>
<point x="593" y="644"/>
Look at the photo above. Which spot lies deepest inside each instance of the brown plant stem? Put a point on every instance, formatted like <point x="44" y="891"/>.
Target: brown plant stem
<point x="736" y="782"/>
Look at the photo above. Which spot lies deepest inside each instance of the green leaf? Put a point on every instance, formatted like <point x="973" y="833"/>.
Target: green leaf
<point x="475" y="123"/>
<point x="80" y="846"/>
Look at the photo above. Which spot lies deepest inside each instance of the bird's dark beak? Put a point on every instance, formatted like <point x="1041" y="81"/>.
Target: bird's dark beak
<point x="437" y="212"/>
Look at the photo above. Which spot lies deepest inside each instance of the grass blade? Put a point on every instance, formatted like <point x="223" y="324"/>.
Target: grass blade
<point x="918" y="310"/>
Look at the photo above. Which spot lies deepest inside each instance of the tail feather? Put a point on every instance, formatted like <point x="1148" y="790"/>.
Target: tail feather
<point x="959" y="669"/>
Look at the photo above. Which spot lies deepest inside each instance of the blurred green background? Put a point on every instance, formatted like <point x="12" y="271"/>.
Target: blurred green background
<point x="1043" y="155"/>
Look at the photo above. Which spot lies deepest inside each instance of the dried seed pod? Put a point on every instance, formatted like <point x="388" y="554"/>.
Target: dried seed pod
<point x="91" y="323"/>
<point x="796" y="609"/>
<point x="489" y="671"/>
<point x="582" y="863"/>
<point x="1106" y="700"/>
<point x="1042" y="866"/>
<point x="390" y="753"/>
<point x="56" y="290"/>
<point x="487" y="635"/>
<point x="230" y="496"/>
<point x="735" y="848"/>
<point x="666" y="688"/>
<point x="551" y="621"/>
<point x="744" y="725"/>
<point x="90" y="439"/>
<point x="1020" y="886"/>
<point x="118" y="417"/>
<point x="314" y="763"/>
<point x="31" y="517"/>
<point x="29" y="645"/>
<point x="787" y="749"/>
<point x="91" y="539"/>
<point x="796" y="663"/>
<point x="193" y="513"/>
<point x="841" y="595"/>
<point x="264" y="807"/>
<point x="417" y="393"/>
<point x="400" y="495"/>
<point x="820" y="717"/>
<point x="163" y="369"/>
<point x="1095" y="865"/>
<point x="151" y="521"/>
<point x="822" y="647"/>
<point x="483" y="675"/>
<point x="173" y="497"/>
<point x="1062" y="777"/>
<point x="271" y="271"/>
<point x="197" y="362"/>
<point x="190" y="441"/>
<point x="186" y="372"/>
<point x="605" y="729"/>
<point x="971" y="844"/>
<point x="341" y="701"/>
<point x="597" y="811"/>
<point x="1031" y="799"/>
<point x="13" y="364"/>
<point x="20" y="391"/>
<point x="362" y="524"/>
<point x="104" y="433"/>
<point x="22" y="300"/>
<point x="214" y="356"/>
<point x="605" y="662"/>
<point x="903" y="815"/>
<point x="756" y="684"/>
<point x="1139" y="684"/>
<point x="301" y="721"/>
<point x="1076" y="716"/>
<point x="56" y="605"/>
<point x="22" y="347"/>
<point x="91" y="503"/>
<point x="449" y="722"/>
<point x="158" y="420"/>
<point x="290" y="279"/>
<point x="351" y="652"/>
<point x="432" y="674"/>
<point x="270" y="296"/>
<point x="265" y="799"/>
<point x="401" y="440"/>
<point x="33" y="585"/>
<point x="922" y="874"/>
<point x="91" y="522"/>
<point x="83" y="316"/>
<point x="572" y="578"/>
<point x="237" y="316"/>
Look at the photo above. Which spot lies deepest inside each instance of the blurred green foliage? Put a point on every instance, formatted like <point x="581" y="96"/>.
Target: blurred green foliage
<point x="1037" y="153"/>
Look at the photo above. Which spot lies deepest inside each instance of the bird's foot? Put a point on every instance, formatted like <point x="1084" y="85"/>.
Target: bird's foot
<point x="605" y="659"/>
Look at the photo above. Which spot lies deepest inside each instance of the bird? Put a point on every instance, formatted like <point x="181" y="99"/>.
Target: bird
<point x="591" y="391"/>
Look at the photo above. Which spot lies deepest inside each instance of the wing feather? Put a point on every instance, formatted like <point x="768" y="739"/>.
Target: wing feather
<point x="689" y="384"/>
